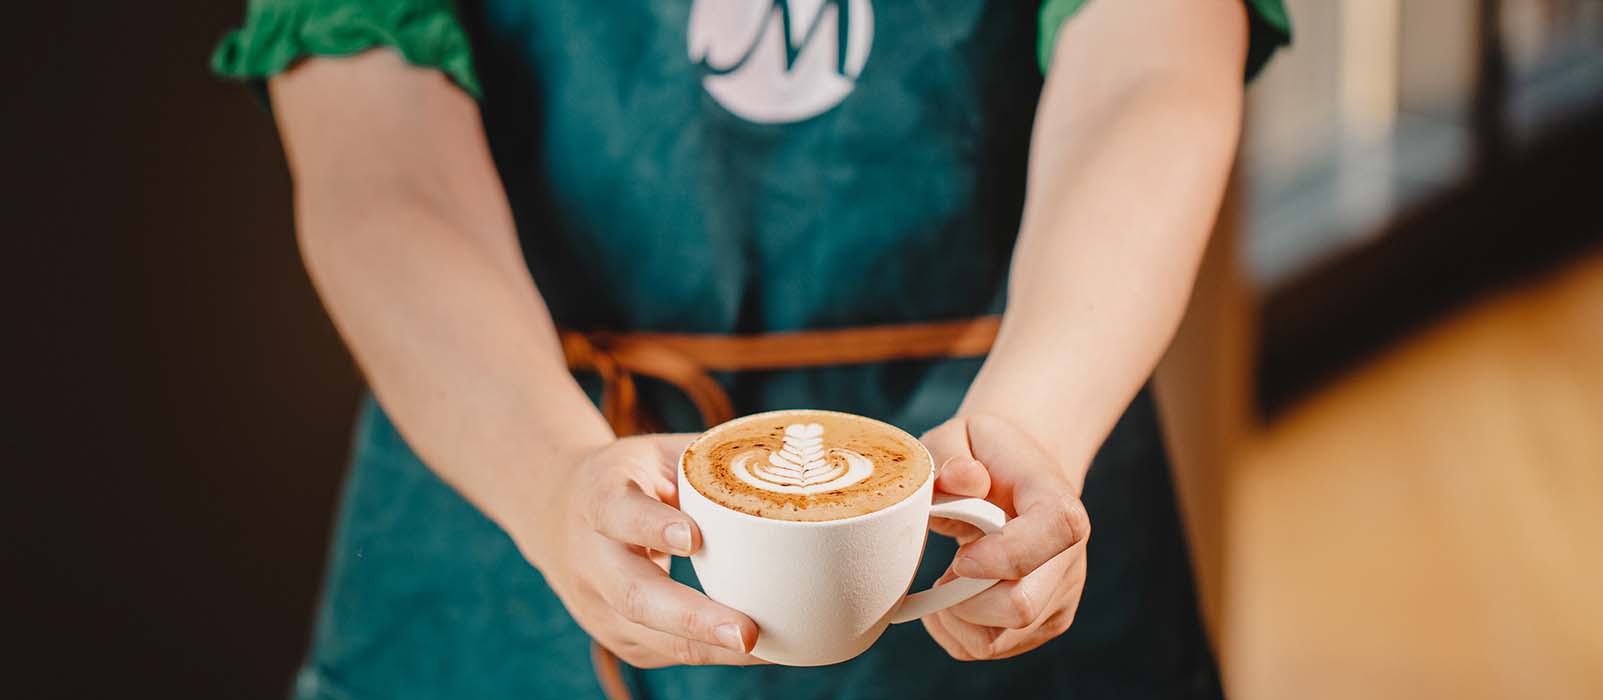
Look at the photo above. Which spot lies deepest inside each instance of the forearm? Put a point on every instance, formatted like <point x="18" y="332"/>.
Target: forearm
<point x="410" y="242"/>
<point x="456" y="343"/>
<point x="1125" y="181"/>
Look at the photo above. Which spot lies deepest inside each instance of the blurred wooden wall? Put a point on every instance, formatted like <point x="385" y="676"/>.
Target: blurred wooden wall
<point x="1204" y="389"/>
<point x="1427" y="525"/>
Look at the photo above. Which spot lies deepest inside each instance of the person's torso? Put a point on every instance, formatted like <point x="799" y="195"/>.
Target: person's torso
<point x="680" y="165"/>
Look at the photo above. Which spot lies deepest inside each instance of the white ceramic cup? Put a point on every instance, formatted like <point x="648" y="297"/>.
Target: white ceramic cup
<point x="822" y="592"/>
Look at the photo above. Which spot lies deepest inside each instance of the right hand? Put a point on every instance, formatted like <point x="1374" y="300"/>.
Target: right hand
<point x="602" y="542"/>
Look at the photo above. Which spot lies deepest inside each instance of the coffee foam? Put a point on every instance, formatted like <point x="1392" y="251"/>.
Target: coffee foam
<point x="806" y="465"/>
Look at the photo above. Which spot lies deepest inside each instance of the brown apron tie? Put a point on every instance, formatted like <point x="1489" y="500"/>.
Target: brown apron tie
<point x="686" y="359"/>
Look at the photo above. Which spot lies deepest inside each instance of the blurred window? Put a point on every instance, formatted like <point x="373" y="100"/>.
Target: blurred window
<point x="1374" y="109"/>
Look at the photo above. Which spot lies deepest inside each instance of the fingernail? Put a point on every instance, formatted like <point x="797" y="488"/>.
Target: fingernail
<point x="678" y="537"/>
<point x="966" y="567"/>
<point x="729" y="636"/>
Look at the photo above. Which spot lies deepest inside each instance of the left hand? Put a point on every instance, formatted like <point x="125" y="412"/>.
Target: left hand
<point x="1039" y="556"/>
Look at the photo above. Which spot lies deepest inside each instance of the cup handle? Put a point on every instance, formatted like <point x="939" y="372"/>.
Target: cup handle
<point x="977" y="512"/>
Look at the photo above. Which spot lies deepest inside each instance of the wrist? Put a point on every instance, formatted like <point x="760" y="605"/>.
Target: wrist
<point x="1046" y="426"/>
<point x="529" y="499"/>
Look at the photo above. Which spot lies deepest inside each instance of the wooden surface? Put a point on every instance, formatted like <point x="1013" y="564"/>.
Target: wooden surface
<point x="1430" y="526"/>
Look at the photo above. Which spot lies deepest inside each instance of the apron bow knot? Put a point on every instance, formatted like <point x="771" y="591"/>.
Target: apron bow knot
<point x="618" y="357"/>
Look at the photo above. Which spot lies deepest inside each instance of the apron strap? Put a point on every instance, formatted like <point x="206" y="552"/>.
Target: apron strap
<point x="685" y="360"/>
<point x="609" y="672"/>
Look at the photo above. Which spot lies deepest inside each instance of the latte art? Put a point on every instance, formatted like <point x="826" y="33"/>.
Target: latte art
<point x="802" y="464"/>
<point x="806" y="465"/>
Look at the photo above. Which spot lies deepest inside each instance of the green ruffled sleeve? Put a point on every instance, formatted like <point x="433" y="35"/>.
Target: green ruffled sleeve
<point x="427" y="33"/>
<point x="1269" y="28"/>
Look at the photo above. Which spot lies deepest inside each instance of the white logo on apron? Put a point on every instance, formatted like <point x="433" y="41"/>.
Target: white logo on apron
<point x="775" y="61"/>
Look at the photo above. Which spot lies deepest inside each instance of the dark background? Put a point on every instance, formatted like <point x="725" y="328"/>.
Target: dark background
<point x="185" y="404"/>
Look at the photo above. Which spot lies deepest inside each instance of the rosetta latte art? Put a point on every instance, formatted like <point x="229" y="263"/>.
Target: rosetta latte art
<point x="802" y="465"/>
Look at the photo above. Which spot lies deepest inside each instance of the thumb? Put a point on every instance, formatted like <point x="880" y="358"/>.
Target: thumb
<point x="963" y="476"/>
<point x="660" y="476"/>
<point x="670" y="445"/>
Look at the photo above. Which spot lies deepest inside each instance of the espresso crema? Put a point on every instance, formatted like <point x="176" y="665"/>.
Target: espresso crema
<point x="806" y="465"/>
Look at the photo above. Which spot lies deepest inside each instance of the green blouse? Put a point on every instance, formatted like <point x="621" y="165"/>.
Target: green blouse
<point x="276" y="33"/>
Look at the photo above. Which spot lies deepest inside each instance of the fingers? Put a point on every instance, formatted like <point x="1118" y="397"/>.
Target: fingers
<point x="652" y="649"/>
<point x="936" y="626"/>
<point x="1000" y="623"/>
<point x="1017" y="604"/>
<point x="659" y="462"/>
<point x="623" y="525"/>
<point x="958" y="530"/>
<point x="626" y="514"/>
<point x="966" y="642"/>
<point x="960" y="476"/>
<point x="989" y="643"/>
<point x="983" y="642"/>
<point x="1039" y="533"/>
<point x="642" y="594"/>
<point x="947" y="440"/>
<point x="670" y="446"/>
<point x="963" y="476"/>
<point x="957" y="473"/>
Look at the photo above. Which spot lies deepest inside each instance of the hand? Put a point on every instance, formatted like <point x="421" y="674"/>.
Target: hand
<point x="602" y="541"/>
<point x="1039" y="555"/>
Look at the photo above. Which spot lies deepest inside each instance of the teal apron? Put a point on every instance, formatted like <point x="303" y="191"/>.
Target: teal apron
<point x="654" y="190"/>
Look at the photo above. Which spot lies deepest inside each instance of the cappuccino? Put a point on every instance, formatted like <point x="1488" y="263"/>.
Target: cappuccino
<point x="806" y="465"/>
